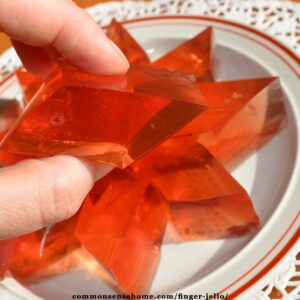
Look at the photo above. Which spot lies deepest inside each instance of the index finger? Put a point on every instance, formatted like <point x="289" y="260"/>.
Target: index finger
<point x="66" y="27"/>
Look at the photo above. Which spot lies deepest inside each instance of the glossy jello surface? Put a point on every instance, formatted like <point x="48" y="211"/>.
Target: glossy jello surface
<point x="29" y="254"/>
<point x="193" y="56"/>
<point x="111" y="120"/>
<point x="256" y="122"/>
<point x="226" y="99"/>
<point x="198" y="189"/>
<point x="128" y="220"/>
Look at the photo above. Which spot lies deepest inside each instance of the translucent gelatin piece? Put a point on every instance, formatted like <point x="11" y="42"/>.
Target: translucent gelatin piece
<point x="259" y="120"/>
<point x="186" y="171"/>
<point x="76" y="261"/>
<point x="124" y="231"/>
<point x="217" y="218"/>
<point x="111" y="120"/>
<point x="224" y="100"/>
<point x="134" y="53"/>
<point x="30" y="84"/>
<point x="34" y="252"/>
<point x="198" y="186"/>
<point x="7" y="158"/>
<point x="194" y="56"/>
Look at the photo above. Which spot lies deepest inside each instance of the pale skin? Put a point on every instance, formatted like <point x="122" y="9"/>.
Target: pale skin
<point x="39" y="192"/>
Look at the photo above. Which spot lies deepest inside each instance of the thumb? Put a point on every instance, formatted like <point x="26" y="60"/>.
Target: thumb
<point x="38" y="26"/>
<point x="36" y="193"/>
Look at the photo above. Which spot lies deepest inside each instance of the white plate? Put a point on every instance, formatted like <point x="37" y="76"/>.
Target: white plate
<point x="270" y="176"/>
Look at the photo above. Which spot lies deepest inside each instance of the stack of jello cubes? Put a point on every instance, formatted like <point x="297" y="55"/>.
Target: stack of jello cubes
<point x="172" y="133"/>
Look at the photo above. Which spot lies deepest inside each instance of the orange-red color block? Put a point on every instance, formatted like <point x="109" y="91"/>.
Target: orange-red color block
<point x="34" y="252"/>
<point x="224" y="100"/>
<point x="217" y="218"/>
<point x="251" y="126"/>
<point x="134" y="53"/>
<point x="124" y="229"/>
<point x="29" y="83"/>
<point x="7" y="158"/>
<point x="111" y="120"/>
<point x="206" y="201"/>
<point x="79" y="260"/>
<point x="186" y="171"/>
<point x="194" y="56"/>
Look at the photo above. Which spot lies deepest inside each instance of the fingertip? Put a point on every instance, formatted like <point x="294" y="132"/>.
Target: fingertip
<point x="82" y="41"/>
<point x="102" y="58"/>
<point x="123" y="62"/>
<point x="110" y="60"/>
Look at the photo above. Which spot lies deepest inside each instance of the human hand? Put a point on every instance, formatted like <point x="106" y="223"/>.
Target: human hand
<point x="39" y="192"/>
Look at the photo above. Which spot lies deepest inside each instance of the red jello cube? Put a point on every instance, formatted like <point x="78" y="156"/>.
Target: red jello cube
<point x="124" y="230"/>
<point x="193" y="56"/>
<point x="134" y="53"/>
<point x="111" y="120"/>
<point x="30" y="84"/>
<point x="251" y="125"/>
<point x="206" y="201"/>
<point x="33" y="252"/>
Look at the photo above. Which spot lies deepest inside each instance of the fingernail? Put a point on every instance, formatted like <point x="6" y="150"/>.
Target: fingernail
<point x="119" y="52"/>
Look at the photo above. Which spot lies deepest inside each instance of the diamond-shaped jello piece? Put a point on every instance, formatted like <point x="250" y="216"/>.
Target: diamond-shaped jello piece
<point x="193" y="56"/>
<point x="206" y="201"/>
<point x="34" y="252"/>
<point x="124" y="230"/>
<point x="134" y="53"/>
<point x="224" y="100"/>
<point x="111" y="120"/>
<point x="258" y="114"/>
<point x="30" y="84"/>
